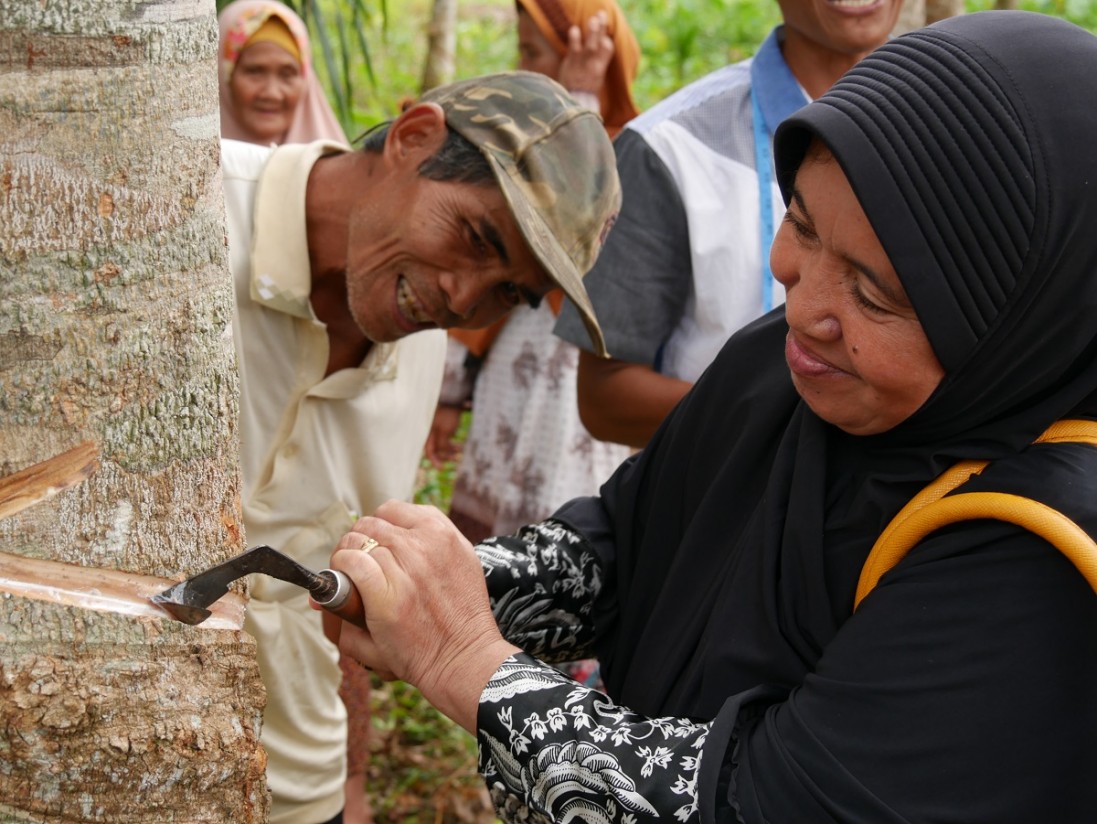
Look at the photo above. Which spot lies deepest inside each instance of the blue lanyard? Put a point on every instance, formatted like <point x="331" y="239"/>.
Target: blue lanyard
<point x="763" y="162"/>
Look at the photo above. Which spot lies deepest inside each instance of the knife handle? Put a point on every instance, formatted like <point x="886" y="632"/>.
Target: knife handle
<point x="345" y="600"/>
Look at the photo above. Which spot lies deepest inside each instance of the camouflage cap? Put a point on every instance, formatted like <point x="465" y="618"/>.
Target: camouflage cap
<point x="555" y="165"/>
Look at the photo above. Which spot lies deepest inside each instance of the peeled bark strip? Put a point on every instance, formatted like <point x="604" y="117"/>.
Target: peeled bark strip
<point x="115" y="311"/>
<point x="104" y="590"/>
<point x="46" y="478"/>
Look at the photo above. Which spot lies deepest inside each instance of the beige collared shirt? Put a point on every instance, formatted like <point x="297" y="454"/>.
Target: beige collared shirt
<point x="316" y="452"/>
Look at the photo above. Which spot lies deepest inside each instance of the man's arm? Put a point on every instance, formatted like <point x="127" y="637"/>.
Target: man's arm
<point x="639" y="286"/>
<point x="624" y="402"/>
<point x="458" y="381"/>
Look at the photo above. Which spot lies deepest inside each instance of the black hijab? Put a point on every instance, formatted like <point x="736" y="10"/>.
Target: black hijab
<point x="739" y="533"/>
<point x="971" y="153"/>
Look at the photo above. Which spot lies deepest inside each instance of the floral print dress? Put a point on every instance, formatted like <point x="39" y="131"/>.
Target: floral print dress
<point x="527" y="452"/>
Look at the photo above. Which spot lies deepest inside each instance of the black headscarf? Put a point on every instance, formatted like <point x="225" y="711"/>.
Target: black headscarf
<point x="739" y="533"/>
<point x="968" y="149"/>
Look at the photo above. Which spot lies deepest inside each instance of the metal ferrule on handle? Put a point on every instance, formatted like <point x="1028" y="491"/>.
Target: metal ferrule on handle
<point x="340" y="596"/>
<point x="337" y="591"/>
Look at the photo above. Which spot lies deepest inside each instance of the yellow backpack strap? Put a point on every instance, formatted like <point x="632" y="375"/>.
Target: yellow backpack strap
<point x="930" y="510"/>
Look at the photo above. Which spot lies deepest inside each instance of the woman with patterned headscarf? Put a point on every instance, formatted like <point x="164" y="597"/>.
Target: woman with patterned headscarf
<point x="269" y="92"/>
<point x="271" y="95"/>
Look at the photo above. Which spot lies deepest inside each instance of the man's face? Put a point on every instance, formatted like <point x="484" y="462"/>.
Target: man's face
<point x="424" y="254"/>
<point x="845" y="27"/>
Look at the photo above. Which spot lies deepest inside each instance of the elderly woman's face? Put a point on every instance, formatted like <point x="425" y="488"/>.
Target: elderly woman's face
<point x="266" y="87"/>
<point x="856" y="350"/>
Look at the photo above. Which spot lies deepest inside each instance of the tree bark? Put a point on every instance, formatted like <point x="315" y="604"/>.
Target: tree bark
<point x="441" y="62"/>
<point x="115" y="306"/>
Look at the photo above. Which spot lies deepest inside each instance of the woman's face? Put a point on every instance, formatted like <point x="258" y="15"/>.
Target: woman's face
<point x="855" y="347"/>
<point x="266" y="87"/>
<point x="851" y="29"/>
<point x="535" y="53"/>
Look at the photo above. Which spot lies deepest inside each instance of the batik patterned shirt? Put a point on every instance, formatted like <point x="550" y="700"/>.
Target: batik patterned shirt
<point x="554" y="750"/>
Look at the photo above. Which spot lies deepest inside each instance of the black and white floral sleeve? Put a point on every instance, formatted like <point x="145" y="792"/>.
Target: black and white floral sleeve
<point x="552" y="750"/>
<point x="542" y="584"/>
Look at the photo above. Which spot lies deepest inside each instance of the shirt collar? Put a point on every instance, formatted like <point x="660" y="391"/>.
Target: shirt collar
<point x="779" y="93"/>
<point x="281" y="276"/>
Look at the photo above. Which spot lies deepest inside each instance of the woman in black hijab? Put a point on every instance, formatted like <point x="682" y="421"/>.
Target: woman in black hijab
<point x="940" y="259"/>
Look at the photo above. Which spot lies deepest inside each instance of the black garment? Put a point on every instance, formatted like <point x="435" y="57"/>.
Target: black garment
<point x="974" y="663"/>
<point x="963" y="688"/>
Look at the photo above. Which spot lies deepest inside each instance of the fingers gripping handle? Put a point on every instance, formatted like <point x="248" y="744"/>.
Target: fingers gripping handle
<point x="341" y="597"/>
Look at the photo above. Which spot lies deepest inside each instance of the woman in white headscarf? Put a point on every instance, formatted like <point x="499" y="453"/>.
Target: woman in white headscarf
<point x="271" y="95"/>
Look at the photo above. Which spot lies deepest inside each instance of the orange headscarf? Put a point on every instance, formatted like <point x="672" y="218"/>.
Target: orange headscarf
<point x="554" y="17"/>
<point x="238" y="23"/>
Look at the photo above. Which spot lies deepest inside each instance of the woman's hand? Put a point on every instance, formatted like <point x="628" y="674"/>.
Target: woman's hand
<point x="584" y="66"/>
<point x="428" y="620"/>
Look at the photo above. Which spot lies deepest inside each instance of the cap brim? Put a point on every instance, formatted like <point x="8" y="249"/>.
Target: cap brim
<point x="550" y="253"/>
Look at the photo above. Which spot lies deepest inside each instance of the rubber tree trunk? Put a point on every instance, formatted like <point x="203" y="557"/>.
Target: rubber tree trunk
<point x="440" y="65"/>
<point x="114" y="315"/>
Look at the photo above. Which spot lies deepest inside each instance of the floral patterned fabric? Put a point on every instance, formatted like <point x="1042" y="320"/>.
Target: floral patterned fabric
<point x="552" y="749"/>
<point x="542" y="583"/>
<point x="527" y="453"/>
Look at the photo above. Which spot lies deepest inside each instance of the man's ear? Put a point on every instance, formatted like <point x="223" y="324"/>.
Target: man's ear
<point x="416" y="135"/>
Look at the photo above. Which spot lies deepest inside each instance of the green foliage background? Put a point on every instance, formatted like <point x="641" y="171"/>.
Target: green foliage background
<point x="370" y="53"/>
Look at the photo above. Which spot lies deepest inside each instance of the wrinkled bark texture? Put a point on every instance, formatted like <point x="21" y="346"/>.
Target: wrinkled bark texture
<point x="115" y="306"/>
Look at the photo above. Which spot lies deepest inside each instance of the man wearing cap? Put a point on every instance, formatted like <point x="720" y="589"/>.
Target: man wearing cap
<point x="485" y="194"/>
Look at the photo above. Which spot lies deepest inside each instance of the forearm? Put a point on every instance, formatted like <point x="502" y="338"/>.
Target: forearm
<point x="542" y="584"/>
<point x="624" y="402"/>
<point x="458" y="695"/>
<point x="556" y="748"/>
